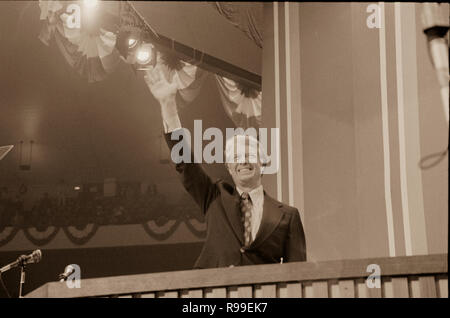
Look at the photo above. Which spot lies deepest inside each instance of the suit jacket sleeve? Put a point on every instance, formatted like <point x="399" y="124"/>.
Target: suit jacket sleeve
<point x="296" y="243"/>
<point x="196" y="182"/>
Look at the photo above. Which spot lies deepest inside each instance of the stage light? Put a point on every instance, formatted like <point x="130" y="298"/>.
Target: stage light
<point x="143" y="57"/>
<point x="132" y="43"/>
<point x="90" y="3"/>
<point x="77" y="188"/>
<point x="145" y="54"/>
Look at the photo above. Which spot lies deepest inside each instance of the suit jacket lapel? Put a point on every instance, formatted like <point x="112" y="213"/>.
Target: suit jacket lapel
<point x="230" y="202"/>
<point x="270" y="219"/>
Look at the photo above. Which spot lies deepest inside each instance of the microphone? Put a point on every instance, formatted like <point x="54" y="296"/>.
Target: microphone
<point x="69" y="270"/>
<point x="22" y="260"/>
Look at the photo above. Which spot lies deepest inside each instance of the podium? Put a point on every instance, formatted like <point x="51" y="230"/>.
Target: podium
<point x="409" y="276"/>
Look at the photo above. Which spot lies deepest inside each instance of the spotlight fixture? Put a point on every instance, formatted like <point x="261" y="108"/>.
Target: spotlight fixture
<point x="134" y="49"/>
<point x="132" y="42"/>
<point x="146" y="55"/>
<point x="143" y="56"/>
<point x="127" y="43"/>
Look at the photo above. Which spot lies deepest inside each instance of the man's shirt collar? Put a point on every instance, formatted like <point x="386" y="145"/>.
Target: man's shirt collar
<point x="256" y="192"/>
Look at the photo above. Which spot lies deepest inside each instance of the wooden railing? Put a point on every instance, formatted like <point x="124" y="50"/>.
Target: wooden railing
<point x="413" y="276"/>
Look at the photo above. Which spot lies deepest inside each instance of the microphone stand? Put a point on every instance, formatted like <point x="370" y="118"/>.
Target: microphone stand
<point x="22" y="278"/>
<point x="23" y="260"/>
<point x="22" y="273"/>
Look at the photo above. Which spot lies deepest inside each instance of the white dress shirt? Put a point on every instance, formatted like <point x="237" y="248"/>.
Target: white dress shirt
<point x="257" y="197"/>
<point x="171" y="121"/>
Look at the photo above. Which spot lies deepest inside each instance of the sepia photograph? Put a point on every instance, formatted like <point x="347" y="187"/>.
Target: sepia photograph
<point x="201" y="149"/>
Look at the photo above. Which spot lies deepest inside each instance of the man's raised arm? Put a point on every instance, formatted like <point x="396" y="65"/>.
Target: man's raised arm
<point x="194" y="179"/>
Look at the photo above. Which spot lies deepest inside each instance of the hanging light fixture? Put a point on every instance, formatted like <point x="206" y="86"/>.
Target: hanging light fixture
<point x="132" y="42"/>
<point x="146" y="56"/>
<point x="135" y="48"/>
<point x="127" y="43"/>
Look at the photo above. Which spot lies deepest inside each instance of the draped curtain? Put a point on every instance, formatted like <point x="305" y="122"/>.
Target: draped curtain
<point x="247" y="16"/>
<point x="90" y="50"/>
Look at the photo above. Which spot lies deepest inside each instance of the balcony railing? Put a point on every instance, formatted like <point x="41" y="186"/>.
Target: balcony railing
<point x="412" y="276"/>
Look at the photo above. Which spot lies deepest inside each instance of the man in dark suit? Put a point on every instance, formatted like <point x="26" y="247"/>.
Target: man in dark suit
<point x="245" y="226"/>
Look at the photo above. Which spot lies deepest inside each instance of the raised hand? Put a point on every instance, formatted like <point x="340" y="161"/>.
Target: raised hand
<point x="160" y="87"/>
<point x="165" y="92"/>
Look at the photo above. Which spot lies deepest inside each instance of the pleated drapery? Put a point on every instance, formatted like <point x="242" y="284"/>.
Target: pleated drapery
<point x="246" y="16"/>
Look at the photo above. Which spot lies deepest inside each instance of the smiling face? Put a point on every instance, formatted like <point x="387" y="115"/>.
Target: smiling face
<point x="243" y="162"/>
